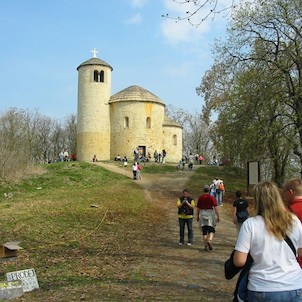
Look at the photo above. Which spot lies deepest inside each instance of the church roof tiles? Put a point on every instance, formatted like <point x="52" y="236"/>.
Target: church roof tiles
<point x="170" y="122"/>
<point x="135" y="93"/>
<point x="95" y="61"/>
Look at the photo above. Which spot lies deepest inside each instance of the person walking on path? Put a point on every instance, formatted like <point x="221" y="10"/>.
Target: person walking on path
<point x="240" y="213"/>
<point x="292" y="192"/>
<point x="191" y="162"/>
<point x="185" y="205"/>
<point x="219" y="190"/>
<point x="275" y="274"/>
<point x="134" y="170"/>
<point x="207" y="216"/>
<point x="164" y="156"/>
<point x="138" y="172"/>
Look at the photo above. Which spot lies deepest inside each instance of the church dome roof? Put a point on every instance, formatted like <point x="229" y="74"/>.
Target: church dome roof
<point x="136" y="94"/>
<point x="95" y="61"/>
<point x="170" y="122"/>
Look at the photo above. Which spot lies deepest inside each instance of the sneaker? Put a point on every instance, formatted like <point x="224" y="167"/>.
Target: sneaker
<point x="210" y="246"/>
<point x="205" y="248"/>
<point x="180" y="243"/>
<point x="189" y="243"/>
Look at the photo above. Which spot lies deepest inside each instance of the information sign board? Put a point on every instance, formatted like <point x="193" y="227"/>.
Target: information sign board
<point x="28" y="278"/>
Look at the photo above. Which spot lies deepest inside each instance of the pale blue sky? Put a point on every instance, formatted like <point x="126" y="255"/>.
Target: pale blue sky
<point x="44" y="41"/>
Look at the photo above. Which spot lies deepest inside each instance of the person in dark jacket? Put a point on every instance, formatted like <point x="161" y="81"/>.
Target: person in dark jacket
<point x="240" y="213"/>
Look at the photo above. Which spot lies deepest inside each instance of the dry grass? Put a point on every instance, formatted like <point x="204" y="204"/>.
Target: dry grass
<point x="86" y="231"/>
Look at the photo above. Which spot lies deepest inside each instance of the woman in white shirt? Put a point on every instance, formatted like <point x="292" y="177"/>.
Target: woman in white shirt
<point x="275" y="274"/>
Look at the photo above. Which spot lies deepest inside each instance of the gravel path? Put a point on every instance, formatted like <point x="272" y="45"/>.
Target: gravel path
<point x="182" y="273"/>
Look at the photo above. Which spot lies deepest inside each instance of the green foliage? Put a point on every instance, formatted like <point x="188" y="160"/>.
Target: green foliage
<point x="255" y="87"/>
<point x="234" y="178"/>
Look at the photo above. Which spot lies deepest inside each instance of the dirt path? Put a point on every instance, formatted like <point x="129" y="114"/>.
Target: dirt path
<point x="182" y="273"/>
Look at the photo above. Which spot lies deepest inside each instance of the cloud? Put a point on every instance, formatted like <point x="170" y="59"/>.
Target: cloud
<point x="177" y="31"/>
<point x="135" y="19"/>
<point x="182" y="31"/>
<point x="176" y="28"/>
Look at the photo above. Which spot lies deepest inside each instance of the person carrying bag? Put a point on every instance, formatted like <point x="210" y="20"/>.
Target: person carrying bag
<point x="266" y="251"/>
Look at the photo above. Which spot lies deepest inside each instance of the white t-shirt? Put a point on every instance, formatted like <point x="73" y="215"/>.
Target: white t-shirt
<point x="216" y="183"/>
<point x="275" y="267"/>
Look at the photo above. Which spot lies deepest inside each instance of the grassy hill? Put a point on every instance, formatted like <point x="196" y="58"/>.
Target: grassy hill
<point x="82" y="227"/>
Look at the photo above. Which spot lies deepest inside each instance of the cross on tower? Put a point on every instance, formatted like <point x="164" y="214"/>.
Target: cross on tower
<point x="94" y="51"/>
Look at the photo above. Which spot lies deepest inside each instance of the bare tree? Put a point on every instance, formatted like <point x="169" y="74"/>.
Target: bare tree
<point x="195" y="130"/>
<point x="178" y="115"/>
<point x="70" y="132"/>
<point x="201" y="10"/>
<point x="28" y="137"/>
<point x="14" y="147"/>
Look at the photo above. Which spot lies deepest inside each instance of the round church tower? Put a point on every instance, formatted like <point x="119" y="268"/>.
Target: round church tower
<point x="137" y="117"/>
<point x="93" y="116"/>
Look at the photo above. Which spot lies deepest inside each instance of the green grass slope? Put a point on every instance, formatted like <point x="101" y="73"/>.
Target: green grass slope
<point x="82" y="227"/>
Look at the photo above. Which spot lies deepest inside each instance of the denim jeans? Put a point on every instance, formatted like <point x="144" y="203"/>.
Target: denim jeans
<point x="219" y="197"/>
<point x="283" y="296"/>
<point x="182" y="222"/>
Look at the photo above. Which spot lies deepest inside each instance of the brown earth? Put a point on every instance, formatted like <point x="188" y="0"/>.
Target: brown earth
<point x="186" y="273"/>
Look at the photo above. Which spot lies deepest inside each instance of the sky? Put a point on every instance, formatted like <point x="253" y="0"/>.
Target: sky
<point x="43" y="42"/>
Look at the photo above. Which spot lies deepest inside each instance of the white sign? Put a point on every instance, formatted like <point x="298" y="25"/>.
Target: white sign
<point x="10" y="290"/>
<point x="28" y="278"/>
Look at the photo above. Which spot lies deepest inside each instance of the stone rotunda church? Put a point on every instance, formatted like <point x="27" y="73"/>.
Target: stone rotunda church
<point x="110" y="125"/>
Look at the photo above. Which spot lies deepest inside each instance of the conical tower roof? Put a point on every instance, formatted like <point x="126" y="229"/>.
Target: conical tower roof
<point x="95" y="61"/>
<point x="136" y="94"/>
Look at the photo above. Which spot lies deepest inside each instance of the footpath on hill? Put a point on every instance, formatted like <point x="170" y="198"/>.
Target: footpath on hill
<point x="182" y="273"/>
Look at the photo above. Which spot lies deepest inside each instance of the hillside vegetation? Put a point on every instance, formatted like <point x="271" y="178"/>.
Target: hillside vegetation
<point x="82" y="227"/>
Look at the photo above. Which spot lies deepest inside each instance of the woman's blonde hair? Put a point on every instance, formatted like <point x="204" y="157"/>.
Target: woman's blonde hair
<point x="269" y="204"/>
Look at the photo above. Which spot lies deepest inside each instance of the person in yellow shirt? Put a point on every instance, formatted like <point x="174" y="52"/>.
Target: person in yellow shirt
<point x="185" y="205"/>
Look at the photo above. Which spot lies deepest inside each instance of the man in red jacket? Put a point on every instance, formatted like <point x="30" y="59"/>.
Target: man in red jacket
<point x="292" y="191"/>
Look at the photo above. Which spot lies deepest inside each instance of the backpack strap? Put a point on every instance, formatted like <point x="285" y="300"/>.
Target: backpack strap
<point x="291" y="245"/>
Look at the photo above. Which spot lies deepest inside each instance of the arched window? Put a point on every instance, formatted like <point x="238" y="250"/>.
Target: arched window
<point x="96" y="76"/>
<point x="126" y="122"/>
<point x="102" y="76"/>
<point x="148" y="122"/>
<point x="174" y="140"/>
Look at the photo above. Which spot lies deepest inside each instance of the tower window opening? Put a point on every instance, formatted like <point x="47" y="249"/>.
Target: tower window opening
<point x="126" y="122"/>
<point x="98" y="76"/>
<point x="174" y="140"/>
<point x="95" y="76"/>
<point x="148" y="122"/>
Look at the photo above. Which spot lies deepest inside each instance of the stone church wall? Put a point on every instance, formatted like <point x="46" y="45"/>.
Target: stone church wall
<point x="126" y="136"/>
<point x="93" y="120"/>
<point x="172" y="142"/>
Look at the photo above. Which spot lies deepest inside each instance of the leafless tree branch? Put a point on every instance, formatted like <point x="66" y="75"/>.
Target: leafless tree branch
<point x="204" y="8"/>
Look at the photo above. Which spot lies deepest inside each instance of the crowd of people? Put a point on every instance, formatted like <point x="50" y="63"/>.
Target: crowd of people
<point x="268" y="251"/>
<point x="64" y="156"/>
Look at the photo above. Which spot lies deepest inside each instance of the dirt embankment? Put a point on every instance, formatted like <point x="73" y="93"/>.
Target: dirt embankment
<point x="182" y="273"/>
